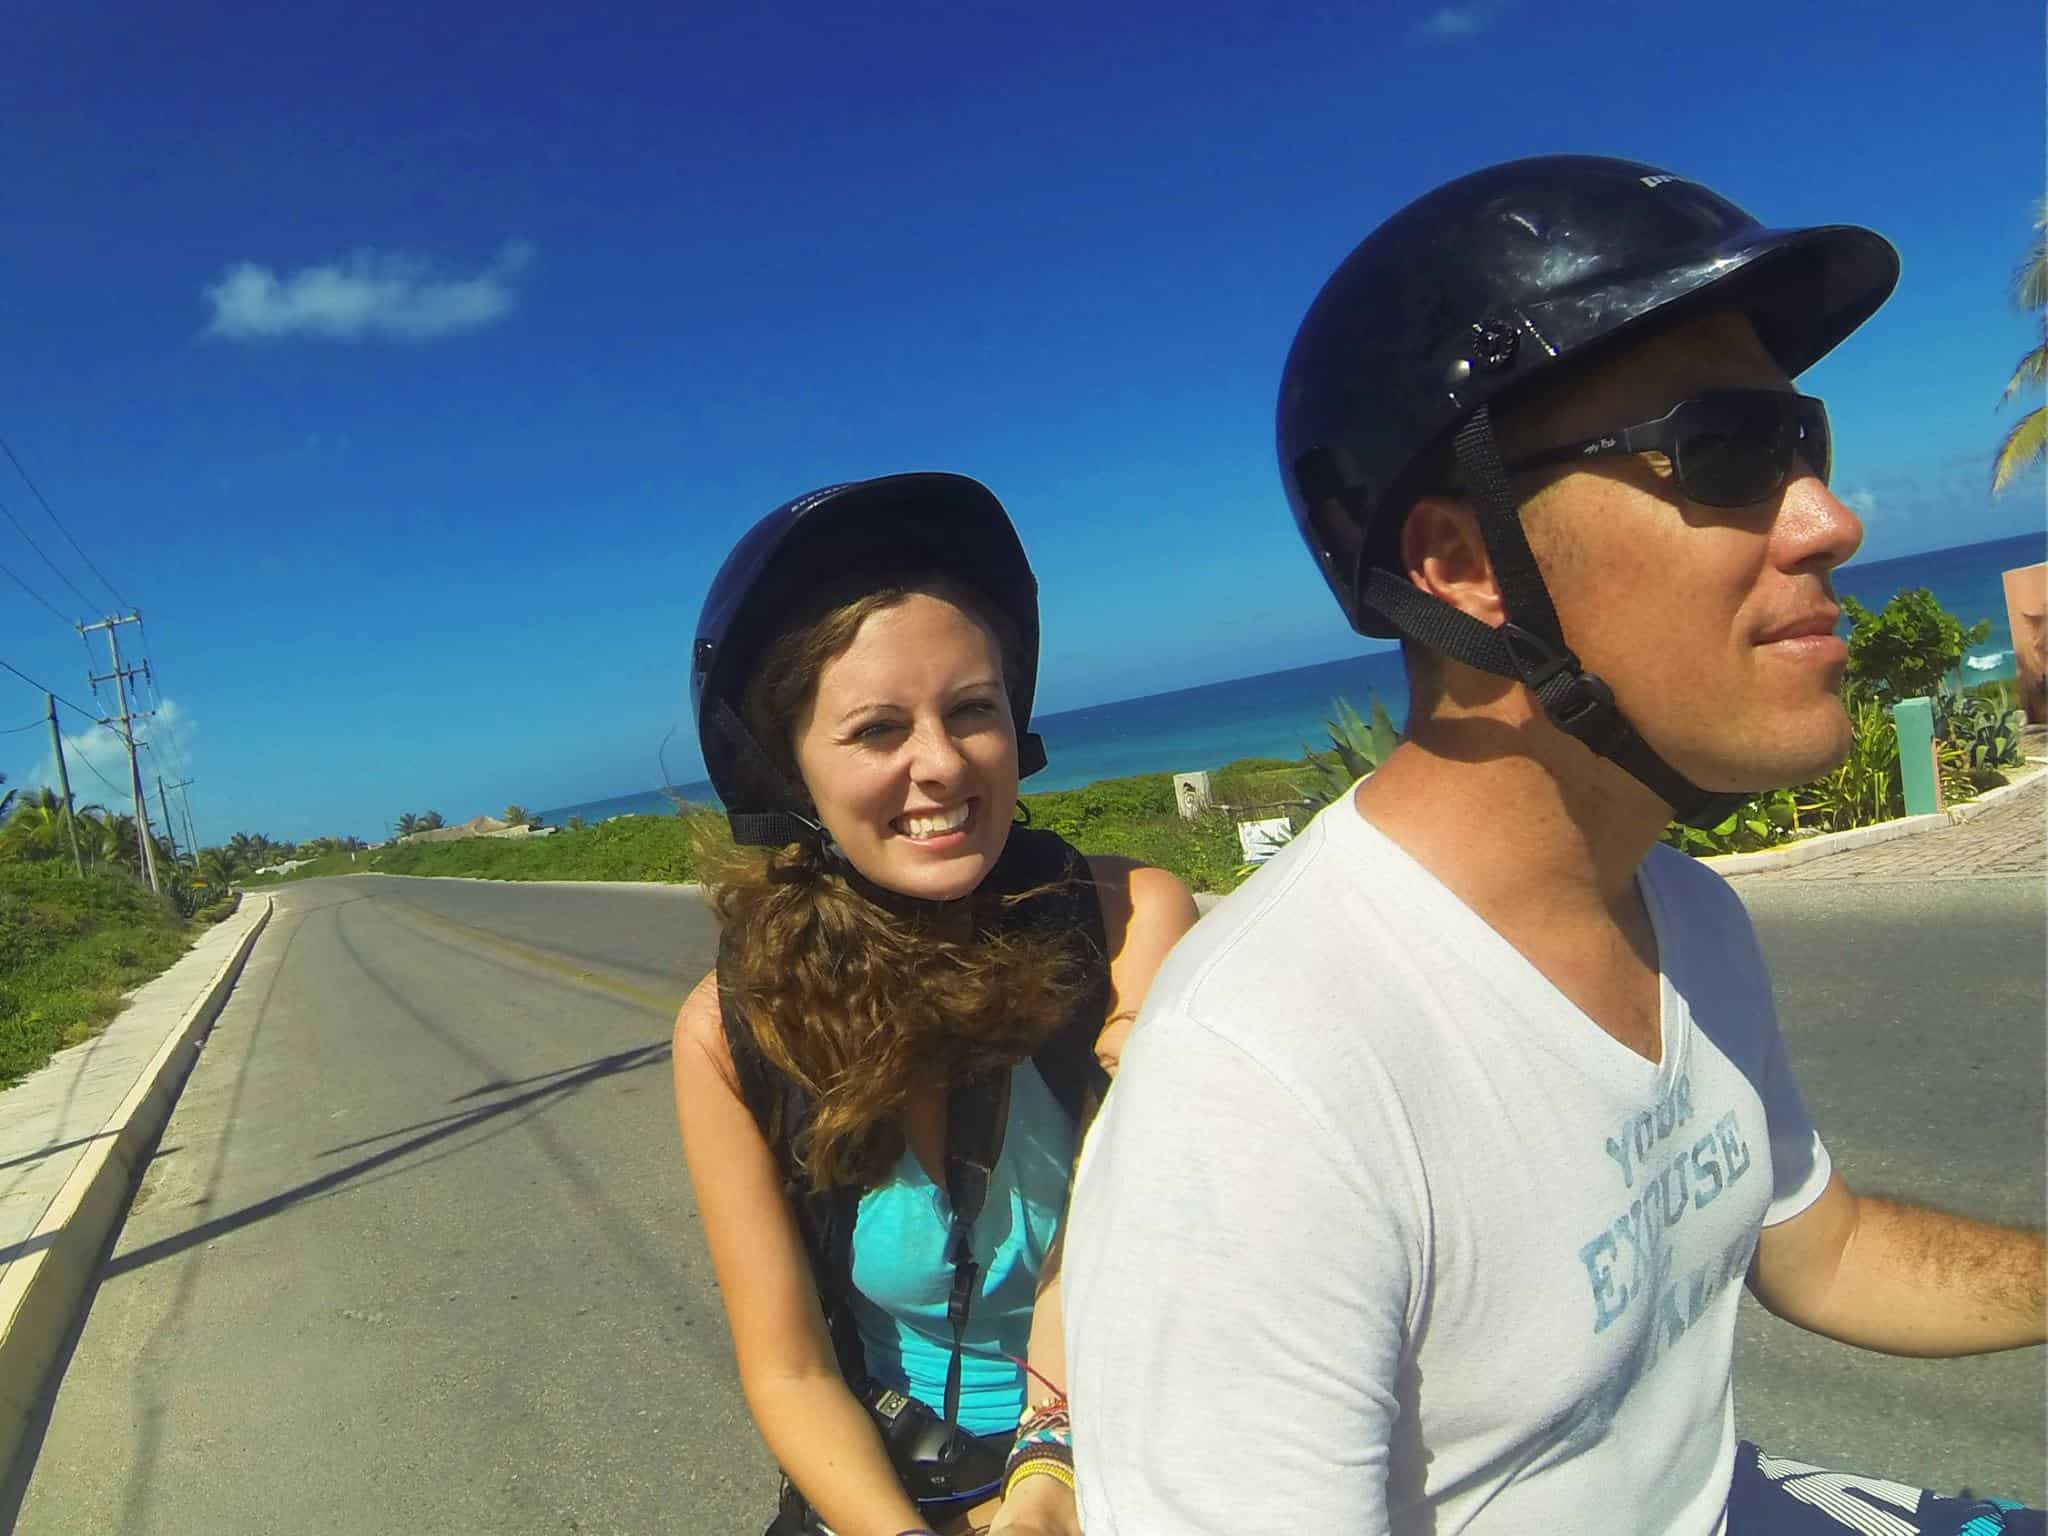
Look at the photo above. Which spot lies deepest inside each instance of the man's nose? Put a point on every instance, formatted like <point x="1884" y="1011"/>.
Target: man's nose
<point x="1816" y="529"/>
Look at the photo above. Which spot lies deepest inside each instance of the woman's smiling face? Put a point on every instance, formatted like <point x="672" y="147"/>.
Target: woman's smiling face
<point x="909" y="751"/>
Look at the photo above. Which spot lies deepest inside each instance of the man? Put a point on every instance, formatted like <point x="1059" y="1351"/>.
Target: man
<point x="1435" y="1161"/>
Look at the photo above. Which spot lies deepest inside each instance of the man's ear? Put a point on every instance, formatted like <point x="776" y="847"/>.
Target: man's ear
<point x="1444" y="555"/>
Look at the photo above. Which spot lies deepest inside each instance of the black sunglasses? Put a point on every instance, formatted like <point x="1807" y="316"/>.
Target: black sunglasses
<point x="1728" y="447"/>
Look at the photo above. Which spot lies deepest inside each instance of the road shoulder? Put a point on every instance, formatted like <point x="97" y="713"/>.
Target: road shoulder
<point x="73" y="1136"/>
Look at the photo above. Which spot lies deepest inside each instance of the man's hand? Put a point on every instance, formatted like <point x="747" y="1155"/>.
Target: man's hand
<point x="1039" y="1506"/>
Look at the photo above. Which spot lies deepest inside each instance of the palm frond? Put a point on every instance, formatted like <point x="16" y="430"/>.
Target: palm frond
<point x="2032" y="369"/>
<point x="2024" y="447"/>
<point x="2030" y="277"/>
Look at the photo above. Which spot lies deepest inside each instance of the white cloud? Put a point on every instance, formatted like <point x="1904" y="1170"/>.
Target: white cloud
<point x="380" y="293"/>
<point x="97" y="760"/>
<point x="1862" y="503"/>
<point x="1449" y="23"/>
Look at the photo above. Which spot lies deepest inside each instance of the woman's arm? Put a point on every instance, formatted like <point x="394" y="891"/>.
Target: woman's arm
<point x="1144" y="913"/>
<point x="813" y="1425"/>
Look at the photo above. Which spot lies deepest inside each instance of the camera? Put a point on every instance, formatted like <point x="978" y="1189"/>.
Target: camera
<point x="934" y="1460"/>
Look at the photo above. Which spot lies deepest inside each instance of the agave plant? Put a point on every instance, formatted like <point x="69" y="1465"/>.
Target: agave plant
<point x="1356" y="748"/>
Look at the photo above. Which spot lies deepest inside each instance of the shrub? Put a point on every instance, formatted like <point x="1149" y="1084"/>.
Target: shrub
<point x="1908" y="648"/>
<point x="1076" y="813"/>
<point x="1756" y="824"/>
<point x="1865" y="788"/>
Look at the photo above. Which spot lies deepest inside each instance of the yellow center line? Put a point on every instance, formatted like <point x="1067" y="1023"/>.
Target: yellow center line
<point x="663" y="1003"/>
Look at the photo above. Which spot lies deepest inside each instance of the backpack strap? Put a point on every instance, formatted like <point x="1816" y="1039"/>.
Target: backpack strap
<point x="1072" y="907"/>
<point x="824" y="1218"/>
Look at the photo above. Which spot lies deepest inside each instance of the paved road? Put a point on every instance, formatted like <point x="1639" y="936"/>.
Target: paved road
<point x="417" y="1252"/>
<point x="1912" y="1011"/>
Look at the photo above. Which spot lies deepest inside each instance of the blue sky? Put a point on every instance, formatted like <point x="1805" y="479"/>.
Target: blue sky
<point x="412" y="368"/>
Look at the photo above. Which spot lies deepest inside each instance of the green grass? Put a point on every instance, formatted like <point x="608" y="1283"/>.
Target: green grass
<point x="625" y="848"/>
<point x="1134" y="817"/>
<point x="69" y="948"/>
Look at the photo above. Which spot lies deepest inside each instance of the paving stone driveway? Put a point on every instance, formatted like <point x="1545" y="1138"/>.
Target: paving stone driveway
<point x="2009" y="839"/>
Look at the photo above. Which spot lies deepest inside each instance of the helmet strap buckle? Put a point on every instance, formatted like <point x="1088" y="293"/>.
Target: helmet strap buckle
<point x="1573" y="699"/>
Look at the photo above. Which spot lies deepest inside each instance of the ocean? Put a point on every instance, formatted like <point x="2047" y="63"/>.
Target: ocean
<point x="1278" y="714"/>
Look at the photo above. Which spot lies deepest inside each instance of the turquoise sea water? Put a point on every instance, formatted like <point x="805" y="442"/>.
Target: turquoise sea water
<point x="1276" y="714"/>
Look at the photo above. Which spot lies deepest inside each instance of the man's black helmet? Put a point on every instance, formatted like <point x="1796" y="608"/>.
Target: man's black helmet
<point x="916" y="523"/>
<point x="1500" y="276"/>
<point x="1466" y="295"/>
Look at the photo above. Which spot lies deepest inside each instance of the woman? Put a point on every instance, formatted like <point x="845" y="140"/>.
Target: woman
<point x="882" y="1085"/>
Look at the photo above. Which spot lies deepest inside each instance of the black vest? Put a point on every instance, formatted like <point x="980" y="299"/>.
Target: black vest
<point x="825" y="1218"/>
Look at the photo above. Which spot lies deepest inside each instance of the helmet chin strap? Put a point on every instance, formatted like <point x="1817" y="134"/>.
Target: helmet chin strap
<point x="1530" y="646"/>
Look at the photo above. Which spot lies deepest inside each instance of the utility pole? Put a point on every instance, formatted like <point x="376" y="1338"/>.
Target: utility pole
<point x="119" y="677"/>
<point x="64" y="782"/>
<point x="185" y="804"/>
<point x="168" y="830"/>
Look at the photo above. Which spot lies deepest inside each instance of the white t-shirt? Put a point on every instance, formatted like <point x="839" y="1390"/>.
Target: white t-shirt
<point x="1379" y="1233"/>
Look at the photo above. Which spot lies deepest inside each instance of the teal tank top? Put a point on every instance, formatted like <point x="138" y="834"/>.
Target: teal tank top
<point x="901" y="1279"/>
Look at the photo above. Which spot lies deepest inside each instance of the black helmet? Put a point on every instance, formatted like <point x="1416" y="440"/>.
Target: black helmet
<point x="917" y="522"/>
<point x="1469" y="293"/>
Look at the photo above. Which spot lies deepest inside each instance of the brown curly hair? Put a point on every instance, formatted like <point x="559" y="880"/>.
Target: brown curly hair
<point x="864" y="1002"/>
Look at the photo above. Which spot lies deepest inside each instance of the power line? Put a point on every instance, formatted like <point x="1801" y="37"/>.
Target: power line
<point x="53" y="693"/>
<point x="117" y="789"/>
<point x="165" y="722"/>
<point x="16" y="730"/>
<point x="32" y="544"/>
<point x="119" y="600"/>
<point x="32" y="592"/>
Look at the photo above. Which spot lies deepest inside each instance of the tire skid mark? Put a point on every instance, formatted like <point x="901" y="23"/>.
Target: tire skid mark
<point x="594" y="1199"/>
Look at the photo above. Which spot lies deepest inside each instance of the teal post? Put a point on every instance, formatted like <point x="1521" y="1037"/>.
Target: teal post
<point x="1915" y="721"/>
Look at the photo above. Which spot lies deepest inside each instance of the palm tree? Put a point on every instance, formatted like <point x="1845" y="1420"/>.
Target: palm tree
<point x="2027" y="443"/>
<point x="7" y="799"/>
<point x="517" y="815"/>
<point x="408" y="824"/>
<point x="218" y="868"/>
<point x="431" y="821"/>
<point x="36" y="828"/>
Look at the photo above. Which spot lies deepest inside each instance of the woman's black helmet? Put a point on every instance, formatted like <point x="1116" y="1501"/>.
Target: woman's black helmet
<point x="924" y="523"/>
<point x="1472" y="291"/>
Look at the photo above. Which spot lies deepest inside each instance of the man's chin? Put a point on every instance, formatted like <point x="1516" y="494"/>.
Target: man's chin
<point x="1781" y="762"/>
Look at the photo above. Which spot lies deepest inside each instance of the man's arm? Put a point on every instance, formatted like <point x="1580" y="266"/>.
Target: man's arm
<point x="1902" y="1278"/>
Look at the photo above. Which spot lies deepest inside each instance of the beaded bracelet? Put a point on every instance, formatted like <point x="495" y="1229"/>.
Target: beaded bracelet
<point x="1038" y="1466"/>
<point x="1045" y="1446"/>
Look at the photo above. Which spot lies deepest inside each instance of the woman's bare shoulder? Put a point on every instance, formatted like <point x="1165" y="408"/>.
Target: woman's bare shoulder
<point x="700" y="1025"/>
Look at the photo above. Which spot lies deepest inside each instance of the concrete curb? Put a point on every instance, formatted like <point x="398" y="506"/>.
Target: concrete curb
<point x="1806" y="851"/>
<point x="41" y="1290"/>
